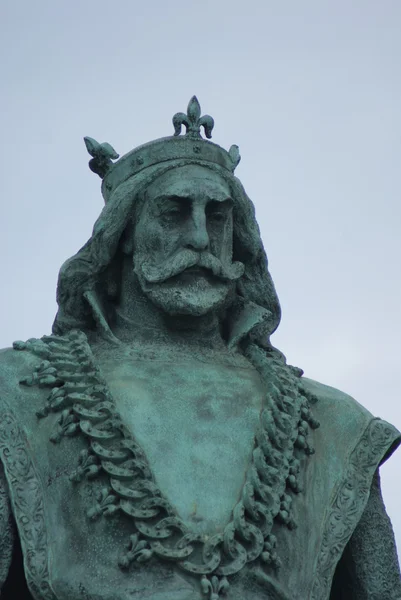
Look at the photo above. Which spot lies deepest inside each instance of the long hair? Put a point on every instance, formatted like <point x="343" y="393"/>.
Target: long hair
<point x="95" y="267"/>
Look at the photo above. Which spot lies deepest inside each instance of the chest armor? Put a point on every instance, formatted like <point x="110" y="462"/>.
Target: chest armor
<point x="87" y="533"/>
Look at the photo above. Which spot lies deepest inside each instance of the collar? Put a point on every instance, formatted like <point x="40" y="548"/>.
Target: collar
<point x="245" y="319"/>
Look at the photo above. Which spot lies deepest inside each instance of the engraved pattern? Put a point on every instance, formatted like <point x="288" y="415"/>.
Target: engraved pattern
<point x="6" y="531"/>
<point x="368" y="568"/>
<point x="349" y="502"/>
<point x="373" y="552"/>
<point x="81" y="397"/>
<point x="26" y="496"/>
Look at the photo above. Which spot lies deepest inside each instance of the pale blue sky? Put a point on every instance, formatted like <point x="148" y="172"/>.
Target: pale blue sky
<point x="310" y="91"/>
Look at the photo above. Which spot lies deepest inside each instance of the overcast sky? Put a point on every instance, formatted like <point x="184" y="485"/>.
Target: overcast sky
<point x="309" y="90"/>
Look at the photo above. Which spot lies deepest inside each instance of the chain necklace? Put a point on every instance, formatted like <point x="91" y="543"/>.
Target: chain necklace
<point x="81" y="396"/>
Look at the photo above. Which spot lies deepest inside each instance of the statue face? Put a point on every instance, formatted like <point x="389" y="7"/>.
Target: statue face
<point x="183" y="242"/>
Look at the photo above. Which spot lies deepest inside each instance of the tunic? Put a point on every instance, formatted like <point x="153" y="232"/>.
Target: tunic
<point x="69" y="556"/>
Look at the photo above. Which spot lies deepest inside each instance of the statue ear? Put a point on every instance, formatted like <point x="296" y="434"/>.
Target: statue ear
<point x="127" y="240"/>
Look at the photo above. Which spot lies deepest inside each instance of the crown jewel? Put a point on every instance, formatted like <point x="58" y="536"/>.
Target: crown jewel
<point x="189" y="146"/>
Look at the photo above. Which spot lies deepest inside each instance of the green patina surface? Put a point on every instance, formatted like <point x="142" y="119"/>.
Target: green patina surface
<point x="156" y="445"/>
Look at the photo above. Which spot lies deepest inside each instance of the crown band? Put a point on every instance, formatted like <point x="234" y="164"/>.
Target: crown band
<point x="160" y="151"/>
<point x="177" y="147"/>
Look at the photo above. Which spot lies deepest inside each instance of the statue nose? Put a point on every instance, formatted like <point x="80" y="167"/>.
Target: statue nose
<point x="197" y="235"/>
<point x="199" y="241"/>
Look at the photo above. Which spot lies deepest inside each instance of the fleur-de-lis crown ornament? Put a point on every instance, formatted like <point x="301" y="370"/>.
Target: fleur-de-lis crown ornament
<point x="103" y="155"/>
<point x="189" y="146"/>
<point x="193" y="121"/>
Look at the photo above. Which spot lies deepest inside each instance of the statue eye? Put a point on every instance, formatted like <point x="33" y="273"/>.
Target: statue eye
<point x="175" y="208"/>
<point x="216" y="216"/>
<point x="217" y="212"/>
<point x="172" y="212"/>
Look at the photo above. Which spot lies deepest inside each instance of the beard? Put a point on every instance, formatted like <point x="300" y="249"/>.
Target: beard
<point x="190" y="283"/>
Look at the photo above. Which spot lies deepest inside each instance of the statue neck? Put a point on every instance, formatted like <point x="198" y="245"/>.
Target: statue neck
<point x="136" y="317"/>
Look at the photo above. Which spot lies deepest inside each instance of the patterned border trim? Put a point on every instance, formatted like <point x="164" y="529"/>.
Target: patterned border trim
<point x="6" y="532"/>
<point x="350" y="501"/>
<point x="28" y="506"/>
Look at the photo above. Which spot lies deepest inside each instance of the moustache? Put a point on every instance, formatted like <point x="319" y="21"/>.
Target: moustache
<point x="187" y="259"/>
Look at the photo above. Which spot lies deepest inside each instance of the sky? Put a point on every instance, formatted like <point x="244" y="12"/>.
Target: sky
<point x="311" y="93"/>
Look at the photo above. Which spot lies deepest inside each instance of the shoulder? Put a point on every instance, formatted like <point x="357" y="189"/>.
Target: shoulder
<point x="330" y="398"/>
<point x="16" y="363"/>
<point x="350" y="422"/>
<point x="17" y="366"/>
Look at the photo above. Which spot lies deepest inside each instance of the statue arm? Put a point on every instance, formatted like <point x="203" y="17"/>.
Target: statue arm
<point x="6" y="530"/>
<point x="369" y="569"/>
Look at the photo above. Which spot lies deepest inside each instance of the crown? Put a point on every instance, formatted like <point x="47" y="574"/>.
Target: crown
<point x="191" y="145"/>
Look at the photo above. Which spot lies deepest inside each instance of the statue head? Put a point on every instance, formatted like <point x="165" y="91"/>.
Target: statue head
<point x="176" y="210"/>
<point x="182" y="242"/>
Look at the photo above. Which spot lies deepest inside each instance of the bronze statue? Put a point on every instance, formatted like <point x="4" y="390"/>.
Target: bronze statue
<point x="157" y="446"/>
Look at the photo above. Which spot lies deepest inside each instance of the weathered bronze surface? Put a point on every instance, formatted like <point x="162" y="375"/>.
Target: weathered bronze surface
<point x="156" y="446"/>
